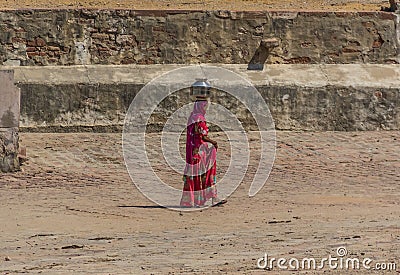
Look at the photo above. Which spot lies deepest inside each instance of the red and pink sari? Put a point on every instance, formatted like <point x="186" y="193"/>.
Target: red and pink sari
<point x="200" y="172"/>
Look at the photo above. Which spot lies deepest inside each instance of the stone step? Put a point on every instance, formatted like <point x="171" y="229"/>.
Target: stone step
<point x="300" y="97"/>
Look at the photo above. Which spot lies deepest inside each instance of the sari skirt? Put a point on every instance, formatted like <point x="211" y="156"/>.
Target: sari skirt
<point x="198" y="189"/>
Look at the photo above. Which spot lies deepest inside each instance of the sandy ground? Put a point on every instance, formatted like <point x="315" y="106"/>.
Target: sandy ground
<point x="74" y="210"/>
<point x="328" y="5"/>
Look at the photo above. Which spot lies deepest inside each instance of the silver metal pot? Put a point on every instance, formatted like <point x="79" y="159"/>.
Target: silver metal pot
<point x="200" y="89"/>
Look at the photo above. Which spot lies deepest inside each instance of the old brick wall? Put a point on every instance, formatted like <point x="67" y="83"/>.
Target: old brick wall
<point x="73" y="37"/>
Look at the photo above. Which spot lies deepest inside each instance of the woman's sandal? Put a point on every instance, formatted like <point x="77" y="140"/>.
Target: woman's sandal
<point x="217" y="202"/>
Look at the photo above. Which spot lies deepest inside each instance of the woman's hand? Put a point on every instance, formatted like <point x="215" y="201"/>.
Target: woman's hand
<point x="213" y="142"/>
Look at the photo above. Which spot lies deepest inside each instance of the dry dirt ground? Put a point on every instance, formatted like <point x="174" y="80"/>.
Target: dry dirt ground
<point x="74" y="210"/>
<point x="327" y="5"/>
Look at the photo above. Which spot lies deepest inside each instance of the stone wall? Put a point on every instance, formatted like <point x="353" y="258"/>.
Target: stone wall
<point x="9" y="138"/>
<point x="300" y="97"/>
<point x="70" y="37"/>
<point x="333" y="108"/>
<point x="9" y="121"/>
<point x="102" y="108"/>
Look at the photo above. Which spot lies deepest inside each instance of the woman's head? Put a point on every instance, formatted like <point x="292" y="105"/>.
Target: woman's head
<point x="199" y="112"/>
<point x="200" y="106"/>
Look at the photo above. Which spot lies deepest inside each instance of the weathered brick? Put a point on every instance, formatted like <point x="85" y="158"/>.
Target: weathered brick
<point x="40" y="42"/>
<point x="92" y="30"/>
<point x="18" y="40"/>
<point x="112" y="30"/>
<point x="53" y="48"/>
<point x="31" y="43"/>
<point x="19" y="29"/>
<point x="101" y="36"/>
<point x="32" y="54"/>
<point x="377" y="43"/>
<point x="158" y="29"/>
<point x="350" y="50"/>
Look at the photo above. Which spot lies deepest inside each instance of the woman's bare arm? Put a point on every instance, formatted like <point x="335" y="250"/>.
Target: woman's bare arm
<point x="213" y="142"/>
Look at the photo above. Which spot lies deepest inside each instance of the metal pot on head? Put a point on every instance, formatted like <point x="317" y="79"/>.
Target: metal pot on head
<point x="200" y="90"/>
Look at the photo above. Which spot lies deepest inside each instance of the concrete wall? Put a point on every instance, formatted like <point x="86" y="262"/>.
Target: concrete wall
<point x="102" y="108"/>
<point x="300" y="97"/>
<point x="9" y="122"/>
<point x="9" y="100"/>
<point x="71" y="37"/>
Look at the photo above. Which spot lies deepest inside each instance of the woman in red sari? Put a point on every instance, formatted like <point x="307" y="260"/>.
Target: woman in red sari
<point x="200" y="172"/>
